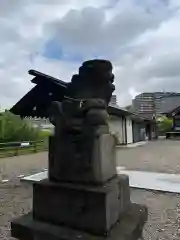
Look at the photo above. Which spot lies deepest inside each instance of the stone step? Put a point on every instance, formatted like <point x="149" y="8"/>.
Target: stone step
<point x="129" y="227"/>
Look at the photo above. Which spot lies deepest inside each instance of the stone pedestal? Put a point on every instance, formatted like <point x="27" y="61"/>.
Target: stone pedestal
<point x="89" y="208"/>
<point x="72" y="211"/>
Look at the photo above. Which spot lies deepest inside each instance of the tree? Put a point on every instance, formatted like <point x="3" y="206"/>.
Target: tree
<point x="13" y="128"/>
<point x="164" y="125"/>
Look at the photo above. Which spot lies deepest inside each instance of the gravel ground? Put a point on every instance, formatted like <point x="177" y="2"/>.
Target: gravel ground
<point x="15" y="200"/>
<point x="164" y="214"/>
<point x="12" y="167"/>
<point x="164" y="208"/>
<point x="156" y="156"/>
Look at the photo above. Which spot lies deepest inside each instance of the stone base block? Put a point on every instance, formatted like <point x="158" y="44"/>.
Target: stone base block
<point x="65" y="164"/>
<point x="129" y="227"/>
<point x="90" y="208"/>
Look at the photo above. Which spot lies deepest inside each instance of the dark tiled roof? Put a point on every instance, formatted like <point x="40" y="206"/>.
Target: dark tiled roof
<point x="169" y="104"/>
<point x="36" y="102"/>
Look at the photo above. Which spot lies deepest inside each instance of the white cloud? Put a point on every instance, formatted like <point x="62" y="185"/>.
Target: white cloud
<point x="141" y="38"/>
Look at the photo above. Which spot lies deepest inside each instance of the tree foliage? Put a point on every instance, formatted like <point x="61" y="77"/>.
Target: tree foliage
<point x="15" y="129"/>
<point x="165" y="125"/>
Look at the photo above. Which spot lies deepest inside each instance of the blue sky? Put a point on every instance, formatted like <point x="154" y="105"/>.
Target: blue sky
<point x="53" y="49"/>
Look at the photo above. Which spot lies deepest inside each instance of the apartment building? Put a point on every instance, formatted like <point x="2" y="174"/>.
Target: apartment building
<point x="113" y="100"/>
<point x="151" y="104"/>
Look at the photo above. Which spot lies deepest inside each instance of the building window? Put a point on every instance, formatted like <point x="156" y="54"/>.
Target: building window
<point x="145" y="107"/>
<point x="177" y="122"/>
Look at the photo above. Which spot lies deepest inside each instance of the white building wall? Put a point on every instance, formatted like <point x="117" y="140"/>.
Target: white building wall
<point x="116" y="127"/>
<point x="129" y="130"/>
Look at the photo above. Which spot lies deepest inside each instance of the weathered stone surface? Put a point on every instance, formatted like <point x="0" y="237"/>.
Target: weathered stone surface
<point x="90" y="208"/>
<point x="124" y="193"/>
<point x="79" y="121"/>
<point x="96" y="167"/>
<point x="129" y="227"/>
<point x="103" y="159"/>
<point x="95" y="80"/>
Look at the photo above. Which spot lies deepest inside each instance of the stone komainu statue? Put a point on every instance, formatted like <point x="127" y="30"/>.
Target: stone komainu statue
<point x="83" y="196"/>
<point x="81" y="123"/>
